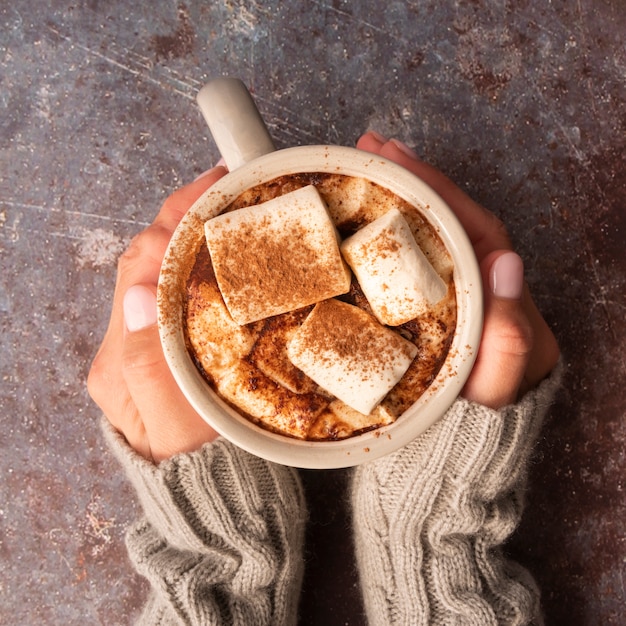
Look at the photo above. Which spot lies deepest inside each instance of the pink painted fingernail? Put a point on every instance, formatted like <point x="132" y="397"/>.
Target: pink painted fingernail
<point x="507" y="276"/>
<point x="380" y="138"/>
<point x="404" y="148"/>
<point x="140" y="309"/>
<point x="220" y="163"/>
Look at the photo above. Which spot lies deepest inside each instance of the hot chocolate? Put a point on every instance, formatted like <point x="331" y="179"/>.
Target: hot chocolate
<point x="271" y="366"/>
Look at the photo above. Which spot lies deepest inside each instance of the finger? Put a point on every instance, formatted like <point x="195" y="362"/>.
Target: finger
<point x="176" y="205"/>
<point x="371" y="141"/>
<point x="171" y="424"/>
<point x="507" y="340"/>
<point x="140" y="264"/>
<point x="486" y="232"/>
<point x="108" y="390"/>
<point x="488" y="236"/>
<point x="545" y="352"/>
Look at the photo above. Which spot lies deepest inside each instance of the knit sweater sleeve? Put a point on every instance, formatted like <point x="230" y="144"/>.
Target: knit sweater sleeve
<point x="222" y="538"/>
<point x="431" y="518"/>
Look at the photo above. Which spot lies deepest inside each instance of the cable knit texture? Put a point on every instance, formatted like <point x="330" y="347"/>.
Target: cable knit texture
<point x="430" y="519"/>
<point x="222" y="538"/>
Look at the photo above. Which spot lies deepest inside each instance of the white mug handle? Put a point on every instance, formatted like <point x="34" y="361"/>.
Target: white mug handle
<point x="234" y="121"/>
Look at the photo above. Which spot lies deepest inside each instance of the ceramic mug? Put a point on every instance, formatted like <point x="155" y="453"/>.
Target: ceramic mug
<point x="247" y="148"/>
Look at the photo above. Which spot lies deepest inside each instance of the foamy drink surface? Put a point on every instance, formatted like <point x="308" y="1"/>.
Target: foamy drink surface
<point x="355" y="370"/>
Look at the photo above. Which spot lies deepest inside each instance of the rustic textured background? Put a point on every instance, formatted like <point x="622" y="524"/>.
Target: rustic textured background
<point x="522" y="103"/>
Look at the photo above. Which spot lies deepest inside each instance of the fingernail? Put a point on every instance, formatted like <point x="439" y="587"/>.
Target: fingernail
<point x="380" y="138"/>
<point x="220" y="163"/>
<point x="507" y="276"/>
<point x="140" y="310"/>
<point x="404" y="148"/>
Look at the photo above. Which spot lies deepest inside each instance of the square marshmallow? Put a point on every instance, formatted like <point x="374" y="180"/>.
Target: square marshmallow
<point x="397" y="279"/>
<point x="277" y="256"/>
<point x="349" y="354"/>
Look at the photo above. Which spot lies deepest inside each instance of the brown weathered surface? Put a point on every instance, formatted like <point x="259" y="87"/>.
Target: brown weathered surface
<point x="522" y="103"/>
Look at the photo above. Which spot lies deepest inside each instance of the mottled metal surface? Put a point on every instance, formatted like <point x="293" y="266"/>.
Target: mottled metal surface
<point x="523" y="103"/>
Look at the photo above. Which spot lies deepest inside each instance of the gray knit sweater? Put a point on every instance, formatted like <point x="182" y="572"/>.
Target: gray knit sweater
<point x="222" y="538"/>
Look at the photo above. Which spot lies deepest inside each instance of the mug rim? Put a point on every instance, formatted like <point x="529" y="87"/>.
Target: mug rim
<point x="241" y="431"/>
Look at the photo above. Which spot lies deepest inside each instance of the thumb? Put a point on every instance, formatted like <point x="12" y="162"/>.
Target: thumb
<point x="507" y="338"/>
<point x="171" y="424"/>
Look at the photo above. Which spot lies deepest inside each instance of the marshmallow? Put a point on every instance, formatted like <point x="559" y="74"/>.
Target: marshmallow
<point x="217" y="341"/>
<point x="349" y="354"/>
<point x="355" y="421"/>
<point x="269" y="353"/>
<point x="396" y="277"/>
<point x="277" y="256"/>
<point x="352" y="201"/>
<point x="267" y="403"/>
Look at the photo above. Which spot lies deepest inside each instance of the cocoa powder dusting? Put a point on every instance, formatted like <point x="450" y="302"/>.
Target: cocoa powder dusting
<point x="342" y="332"/>
<point x="300" y="406"/>
<point x="275" y="268"/>
<point x="386" y="243"/>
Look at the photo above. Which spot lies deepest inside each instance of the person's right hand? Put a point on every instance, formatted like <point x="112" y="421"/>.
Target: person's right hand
<point x="517" y="349"/>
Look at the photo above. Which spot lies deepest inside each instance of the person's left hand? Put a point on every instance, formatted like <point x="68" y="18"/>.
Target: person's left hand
<point x="129" y="378"/>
